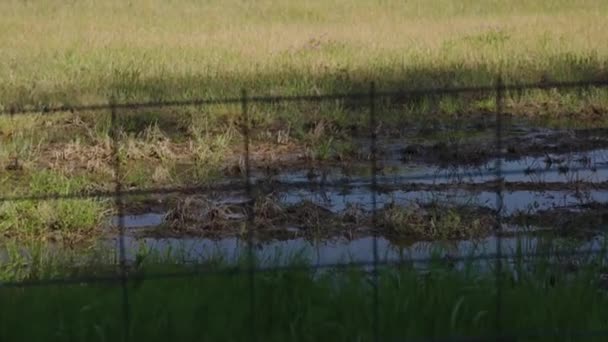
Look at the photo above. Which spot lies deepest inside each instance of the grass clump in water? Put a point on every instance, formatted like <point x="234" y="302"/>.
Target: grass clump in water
<point x="434" y="222"/>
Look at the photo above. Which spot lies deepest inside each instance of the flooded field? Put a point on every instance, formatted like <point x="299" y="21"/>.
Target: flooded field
<point x="450" y="193"/>
<point x="430" y="198"/>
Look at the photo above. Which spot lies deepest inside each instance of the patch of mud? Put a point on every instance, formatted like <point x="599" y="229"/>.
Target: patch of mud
<point x="269" y="218"/>
<point x="197" y="213"/>
<point x="584" y="219"/>
<point x="439" y="213"/>
<point x="548" y="172"/>
<point x="446" y="149"/>
<point x="531" y="144"/>
<point x="414" y="221"/>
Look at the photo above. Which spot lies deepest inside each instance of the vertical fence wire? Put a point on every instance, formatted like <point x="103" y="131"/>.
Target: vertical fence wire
<point x="499" y="200"/>
<point x="250" y="212"/>
<point x="374" y="170"/>
<point x="114" y="128"/>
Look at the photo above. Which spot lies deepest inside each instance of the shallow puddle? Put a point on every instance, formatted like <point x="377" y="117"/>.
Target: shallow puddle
<point x="357" y="251"/>
<point x="589" y="166"/>
<point x="404" y="182"/>
<point x="513" y="201"/>
<point x="139" y="221"/>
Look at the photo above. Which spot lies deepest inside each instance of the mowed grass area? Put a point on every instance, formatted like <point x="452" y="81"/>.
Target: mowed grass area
<point x="57" y="53"/>
<point x="538" y="302"/>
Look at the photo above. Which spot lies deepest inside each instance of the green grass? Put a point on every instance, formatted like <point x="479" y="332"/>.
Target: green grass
<point x="434" y="223"/>
<point x="54" y="219"/>
<point x="312" y="306"/>
<point x="149" y="49"/>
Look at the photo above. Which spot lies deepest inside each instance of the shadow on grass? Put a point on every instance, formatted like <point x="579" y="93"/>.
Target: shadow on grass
<point x="128" y="87"/>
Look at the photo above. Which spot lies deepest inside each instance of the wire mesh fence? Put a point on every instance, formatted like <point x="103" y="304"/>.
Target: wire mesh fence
<point x="369" y="100"/>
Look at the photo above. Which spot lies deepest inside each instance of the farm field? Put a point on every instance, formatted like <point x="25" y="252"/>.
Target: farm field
<point x="200" y="129"/>
<point x="58" y="54"/>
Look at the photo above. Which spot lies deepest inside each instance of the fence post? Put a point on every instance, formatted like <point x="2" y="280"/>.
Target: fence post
<point x="250" y="211"/>
<point x="114" y="129"/>
<point x="374" y="169"/>
<point x="499" y="202"/>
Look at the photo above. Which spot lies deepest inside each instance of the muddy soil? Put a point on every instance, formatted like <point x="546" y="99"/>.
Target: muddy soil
<point x="415" y="220"/>
<point x="532" y="144"/>
<point x="454" y="148"/>
<point x="446" y="190"/>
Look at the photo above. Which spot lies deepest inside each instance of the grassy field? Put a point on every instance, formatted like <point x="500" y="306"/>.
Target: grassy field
<point x="81" y="52"/>
<point x="56" y="53"/>
<point x="538" y="300"/>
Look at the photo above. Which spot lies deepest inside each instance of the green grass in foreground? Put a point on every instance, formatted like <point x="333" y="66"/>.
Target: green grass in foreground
<point x="308" y="306"/>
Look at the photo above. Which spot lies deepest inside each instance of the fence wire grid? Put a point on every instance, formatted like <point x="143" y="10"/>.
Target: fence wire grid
<point x="369" y="100"/>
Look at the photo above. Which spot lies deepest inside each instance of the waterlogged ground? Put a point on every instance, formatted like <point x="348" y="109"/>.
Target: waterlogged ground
<point x="431" y="198"/>
<point x="434" y="188"/>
